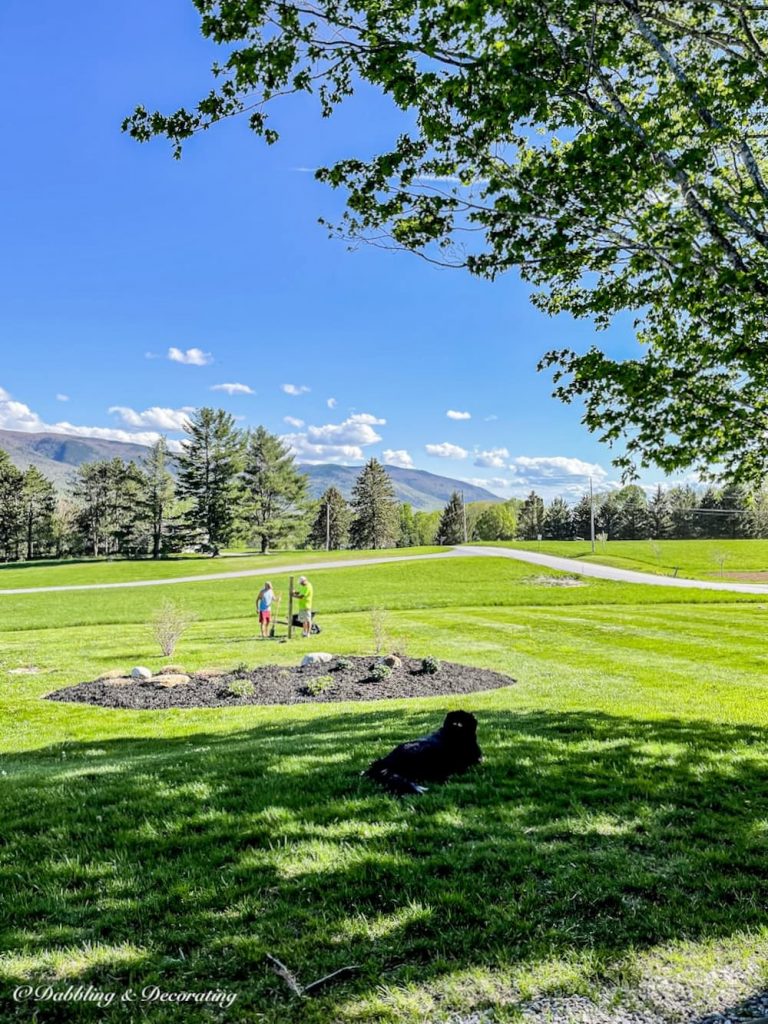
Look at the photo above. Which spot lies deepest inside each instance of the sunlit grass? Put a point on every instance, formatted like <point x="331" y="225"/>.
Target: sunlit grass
<point x="614" y="833"/>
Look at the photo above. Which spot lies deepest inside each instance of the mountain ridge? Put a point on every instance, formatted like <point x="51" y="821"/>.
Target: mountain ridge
<point x="59" y="455"/>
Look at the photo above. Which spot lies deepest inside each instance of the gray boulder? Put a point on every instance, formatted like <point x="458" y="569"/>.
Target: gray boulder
<point x="316" y="658"/>
<point x="140" y="673"/>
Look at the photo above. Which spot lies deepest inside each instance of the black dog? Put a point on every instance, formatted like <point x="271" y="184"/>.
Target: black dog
<point x="449" y="751"/>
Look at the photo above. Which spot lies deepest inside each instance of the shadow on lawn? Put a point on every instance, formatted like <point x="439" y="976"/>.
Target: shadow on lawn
<point x="582" y="834"/>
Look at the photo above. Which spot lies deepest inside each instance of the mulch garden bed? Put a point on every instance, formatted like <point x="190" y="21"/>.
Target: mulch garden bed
<point x="279" y="684"/>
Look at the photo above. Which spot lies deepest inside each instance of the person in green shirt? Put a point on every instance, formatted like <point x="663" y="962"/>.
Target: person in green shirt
<point x="304" y="592"/>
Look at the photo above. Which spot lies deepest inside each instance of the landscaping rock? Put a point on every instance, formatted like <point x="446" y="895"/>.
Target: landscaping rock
<point x="173" y="670"/>
<point x="212" y="673"/>
<point x="393" y="661"/>
<point x="316" y="658"/>
<point x="170" y="679"/>
<point x="114" y="673"/>
<point x="140" y="672"/>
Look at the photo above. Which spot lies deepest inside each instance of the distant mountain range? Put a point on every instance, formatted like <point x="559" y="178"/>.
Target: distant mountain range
<point x="57" y="455"/>
<point x="425" y="491"/>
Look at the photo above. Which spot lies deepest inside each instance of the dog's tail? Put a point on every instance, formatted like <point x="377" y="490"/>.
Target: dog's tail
<point x="396" y="784"/>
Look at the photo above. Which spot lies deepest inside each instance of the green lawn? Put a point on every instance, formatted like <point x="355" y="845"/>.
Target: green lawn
<point x="696" y="559"/>
<point x="100" y="570"/>
<point x="614" y="834"/>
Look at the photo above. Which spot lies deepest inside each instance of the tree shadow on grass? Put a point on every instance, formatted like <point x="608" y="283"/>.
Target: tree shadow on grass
<point x="583" y="836"/>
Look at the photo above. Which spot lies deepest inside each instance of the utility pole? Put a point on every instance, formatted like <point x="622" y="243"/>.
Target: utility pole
<point x="591" y="515"/>
<point x="464" y="513"/>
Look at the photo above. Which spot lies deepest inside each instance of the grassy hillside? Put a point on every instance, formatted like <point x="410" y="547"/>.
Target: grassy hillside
<point x="611" y="844"/>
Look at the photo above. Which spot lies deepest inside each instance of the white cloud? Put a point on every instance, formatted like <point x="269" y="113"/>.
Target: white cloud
<point x="491" y="418"/>
<point x="331" y="403"/>
<point x="164" y="419"/>
<point x="446" y="451"/>
<point x="453" y="414"/>
<point x="190" y="356"/>
<point x="336" y="442"/>
<point x="556" y="467"/>
<point x="234" y="389"/>
<point x="357" y="430"/>
<point x="493" y="458"/>
<point x="493" y="483"/>
<point x="295" y="389"/>
<point x="18" y="416"/>
<point x="62" y="398"/>
<point x="293" y="422"/>
<point x="398" y="457"/>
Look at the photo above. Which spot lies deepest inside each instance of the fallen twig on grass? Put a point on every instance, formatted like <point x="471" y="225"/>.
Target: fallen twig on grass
<point x="297" y="988"/>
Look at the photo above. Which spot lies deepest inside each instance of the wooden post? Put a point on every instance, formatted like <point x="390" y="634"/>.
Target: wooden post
<point x="290" y="607"/>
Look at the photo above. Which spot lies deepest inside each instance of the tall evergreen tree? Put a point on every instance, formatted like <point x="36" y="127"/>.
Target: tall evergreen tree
<point x="451" y="528"/>
<point x="757" y="515"/>
<point x="157" y="493"/>
<point x="557" y="521"/>
<point x="633" y="515"/>
<point x="608" y="515"/>
<point x="38" y="505"/>
<point x="734" y="505"/>
<point x="275" y="489"/>
<point x="330" y="527"/>
<point x="682" y="502"/>
<point x="209" y="468"/>
<point x="708" y="520"/>
<point x="660" y="522"/>
<point x="581" y="517"/>
<point x="374" y="509"/>
<point x="107" y="494"/>
<point x="10" y="508"/>
<point x="530" y="522"/>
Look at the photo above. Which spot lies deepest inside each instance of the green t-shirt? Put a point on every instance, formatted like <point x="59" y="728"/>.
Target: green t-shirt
<point x="305" y="592"/>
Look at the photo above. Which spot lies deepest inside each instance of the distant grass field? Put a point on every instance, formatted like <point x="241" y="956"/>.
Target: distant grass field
<point x="99" y="570"/>
<point x="695" y="559"/>
<point x="614" y="834"/>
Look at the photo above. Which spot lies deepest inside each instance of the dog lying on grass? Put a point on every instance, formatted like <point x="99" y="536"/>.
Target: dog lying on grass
<point x="449" y="751"/>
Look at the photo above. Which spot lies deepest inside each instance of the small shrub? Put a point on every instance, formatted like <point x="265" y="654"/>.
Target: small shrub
<point x="242" y="688"/>
<point x="380" y="629"/>
<point x="241" y="671"/>
<point x="430" y="665"/>
<point x="319" y="685"/>
<point x="380" y="671"/>
<point x="342" y="664"/>
<point x="169" y="623"/>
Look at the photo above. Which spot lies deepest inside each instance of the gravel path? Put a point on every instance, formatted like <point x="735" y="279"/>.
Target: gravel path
<point x="241" y="574"/>
<point x="570" y="565"/>
<point x="608" y="572"/>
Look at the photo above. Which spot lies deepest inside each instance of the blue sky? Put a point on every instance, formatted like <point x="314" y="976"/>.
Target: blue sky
<point x="118" y="258"/>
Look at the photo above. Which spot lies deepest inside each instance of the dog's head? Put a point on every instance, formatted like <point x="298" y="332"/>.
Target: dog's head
<point x="461" y="724"/>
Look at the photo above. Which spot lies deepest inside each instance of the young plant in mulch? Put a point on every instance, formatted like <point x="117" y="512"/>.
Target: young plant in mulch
<point x="342" y="664"/>
<point x="241" y="688"/>
<point x="318" y="685"/>
<point x="380" y="672"/>
<point x="430" y="666"/>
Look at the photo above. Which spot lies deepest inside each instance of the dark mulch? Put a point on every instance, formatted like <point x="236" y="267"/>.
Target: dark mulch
<point x="278" y="684"/>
